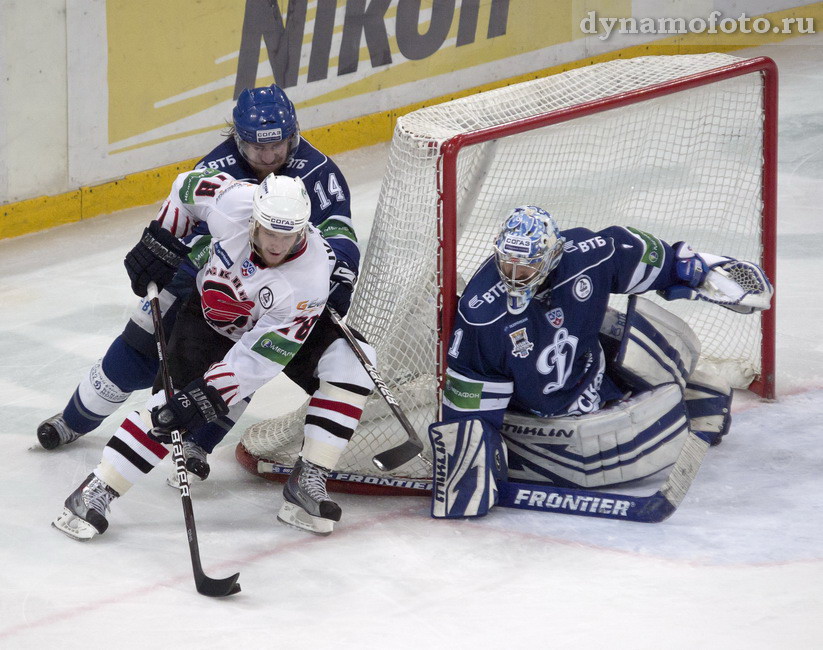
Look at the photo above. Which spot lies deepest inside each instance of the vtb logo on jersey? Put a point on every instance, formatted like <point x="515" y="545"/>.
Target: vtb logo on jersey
<point x="521" y="346"/>
<point x="221" y="306"/>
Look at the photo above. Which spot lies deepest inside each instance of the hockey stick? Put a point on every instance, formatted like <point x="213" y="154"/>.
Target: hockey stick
<point x="205" y="585"/>
<point x="593" y="503"/>
<point x="404" y="452"/>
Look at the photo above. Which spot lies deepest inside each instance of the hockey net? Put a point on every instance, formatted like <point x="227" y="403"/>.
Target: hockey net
<point x="680" y="146"/>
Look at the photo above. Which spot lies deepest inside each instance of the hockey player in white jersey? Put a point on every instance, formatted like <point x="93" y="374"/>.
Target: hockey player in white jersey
<point x="260" y="293"/>
<point x="546" y="384"/>
<point x="264" y="138"/>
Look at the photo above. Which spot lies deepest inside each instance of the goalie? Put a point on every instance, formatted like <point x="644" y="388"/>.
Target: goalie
<point x="547" y="384"/>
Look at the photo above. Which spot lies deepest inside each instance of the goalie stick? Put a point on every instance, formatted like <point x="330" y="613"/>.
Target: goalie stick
<point x="650" y="509"/>
<point x="594" y="503"/>
<point x="205" y="585"/>
<point x="396" y="456"/>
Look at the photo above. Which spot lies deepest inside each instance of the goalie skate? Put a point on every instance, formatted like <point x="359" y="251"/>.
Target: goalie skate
<point x="84" y="514"/>
<point x="307" y="505"/>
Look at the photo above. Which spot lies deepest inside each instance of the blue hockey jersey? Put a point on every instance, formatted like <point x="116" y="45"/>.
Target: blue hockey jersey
<point x="548" y="361"/>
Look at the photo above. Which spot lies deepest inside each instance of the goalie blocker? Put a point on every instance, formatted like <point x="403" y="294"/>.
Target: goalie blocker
<point x="653" y="352"/>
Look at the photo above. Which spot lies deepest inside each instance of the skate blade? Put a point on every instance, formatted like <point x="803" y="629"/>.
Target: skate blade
<point x="294" y="516"/>
<point x="70" y="524"/>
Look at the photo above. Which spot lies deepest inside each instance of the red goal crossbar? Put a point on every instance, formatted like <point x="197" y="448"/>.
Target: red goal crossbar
<point x="764" y="383"/>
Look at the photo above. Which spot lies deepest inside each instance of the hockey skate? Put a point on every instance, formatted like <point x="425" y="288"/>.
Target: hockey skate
<point x="84" y="514"/>
<point x="196" y="463"/>
<point x="307" y="505"/>
<point x="53" y="432"/>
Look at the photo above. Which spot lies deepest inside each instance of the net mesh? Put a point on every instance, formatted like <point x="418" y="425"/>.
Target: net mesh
<point x="684" y="166"/>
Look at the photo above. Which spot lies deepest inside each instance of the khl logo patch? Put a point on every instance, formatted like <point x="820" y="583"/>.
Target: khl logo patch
<point x="555" y="316"/>
<point x="248" y="269"/>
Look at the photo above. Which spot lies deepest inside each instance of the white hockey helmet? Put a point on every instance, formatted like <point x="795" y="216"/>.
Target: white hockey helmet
<point x="281" y="205"/>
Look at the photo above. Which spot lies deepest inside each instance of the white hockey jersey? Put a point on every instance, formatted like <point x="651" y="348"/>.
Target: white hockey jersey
<point x="268" y="312"/>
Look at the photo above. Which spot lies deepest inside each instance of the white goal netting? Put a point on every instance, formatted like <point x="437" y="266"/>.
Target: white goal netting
<point x="684" y="166"/>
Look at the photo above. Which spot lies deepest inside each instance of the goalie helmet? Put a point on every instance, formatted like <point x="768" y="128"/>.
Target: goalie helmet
<point x="527" y="248"/>
<point x="263" y="119"/>
<point x="281" y="206"/>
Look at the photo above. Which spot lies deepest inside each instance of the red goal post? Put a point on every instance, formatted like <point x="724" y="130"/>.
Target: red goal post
<point x="763" y="383"/>
<point x="682" y="146"/>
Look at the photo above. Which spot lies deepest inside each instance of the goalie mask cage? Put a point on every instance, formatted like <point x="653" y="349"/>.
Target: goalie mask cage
<point x="681" y="146"/>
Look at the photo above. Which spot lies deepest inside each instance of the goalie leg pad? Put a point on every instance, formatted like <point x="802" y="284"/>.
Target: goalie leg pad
<point x="469" y="462"/>
<point x="625" y="442"/>
<point x="656" y="346"/>
<point x="709" y="405"/>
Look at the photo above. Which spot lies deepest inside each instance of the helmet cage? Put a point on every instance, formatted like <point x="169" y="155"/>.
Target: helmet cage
<point x="529" y="241"/>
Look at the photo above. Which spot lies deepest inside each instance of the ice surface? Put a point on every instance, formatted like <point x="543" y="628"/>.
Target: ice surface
<point x="739" y="565"/>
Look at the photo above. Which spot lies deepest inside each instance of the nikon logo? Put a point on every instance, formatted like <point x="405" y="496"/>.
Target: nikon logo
<point x="365" y="25"/>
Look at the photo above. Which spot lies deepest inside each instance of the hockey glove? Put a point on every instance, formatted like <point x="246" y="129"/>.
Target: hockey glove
<point x="197" y="404"/>
<point x="734" y="284"/>
<point x="343" y="279"/>
<point x="155" y="258"/>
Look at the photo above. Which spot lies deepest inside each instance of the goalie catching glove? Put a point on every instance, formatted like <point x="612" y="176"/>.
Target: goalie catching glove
<point x="154" y="258"/>
<point x="734" y="284"/>
<point x="197" y="404"/>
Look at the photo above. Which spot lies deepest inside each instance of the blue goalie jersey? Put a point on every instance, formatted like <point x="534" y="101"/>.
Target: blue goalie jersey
<point x="547" y="360"/>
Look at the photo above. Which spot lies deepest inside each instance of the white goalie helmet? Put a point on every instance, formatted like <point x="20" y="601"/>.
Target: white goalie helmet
<point x="281" y="205"/>
<point x="527" y="248"/>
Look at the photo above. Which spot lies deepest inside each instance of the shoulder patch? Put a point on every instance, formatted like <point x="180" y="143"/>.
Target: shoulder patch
<point x="653" y="251"/>
<point x="192" y="181"/>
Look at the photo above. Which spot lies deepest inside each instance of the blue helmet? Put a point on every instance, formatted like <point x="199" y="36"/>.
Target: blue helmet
<point x="264" y="115"/>
<point x="528" y="247"/>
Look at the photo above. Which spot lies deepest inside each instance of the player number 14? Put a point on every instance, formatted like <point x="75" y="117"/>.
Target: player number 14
<point x="334" y="190"/>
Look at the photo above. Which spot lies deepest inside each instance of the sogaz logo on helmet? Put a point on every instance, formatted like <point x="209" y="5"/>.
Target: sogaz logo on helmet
<point x="516" y="245"/>
<point x="281" y="224"/>
<point x="268" y="135"/>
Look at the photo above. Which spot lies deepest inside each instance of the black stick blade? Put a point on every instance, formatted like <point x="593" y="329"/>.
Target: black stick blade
<point x="217" y="588"/>
<point x="393" y="458"/>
